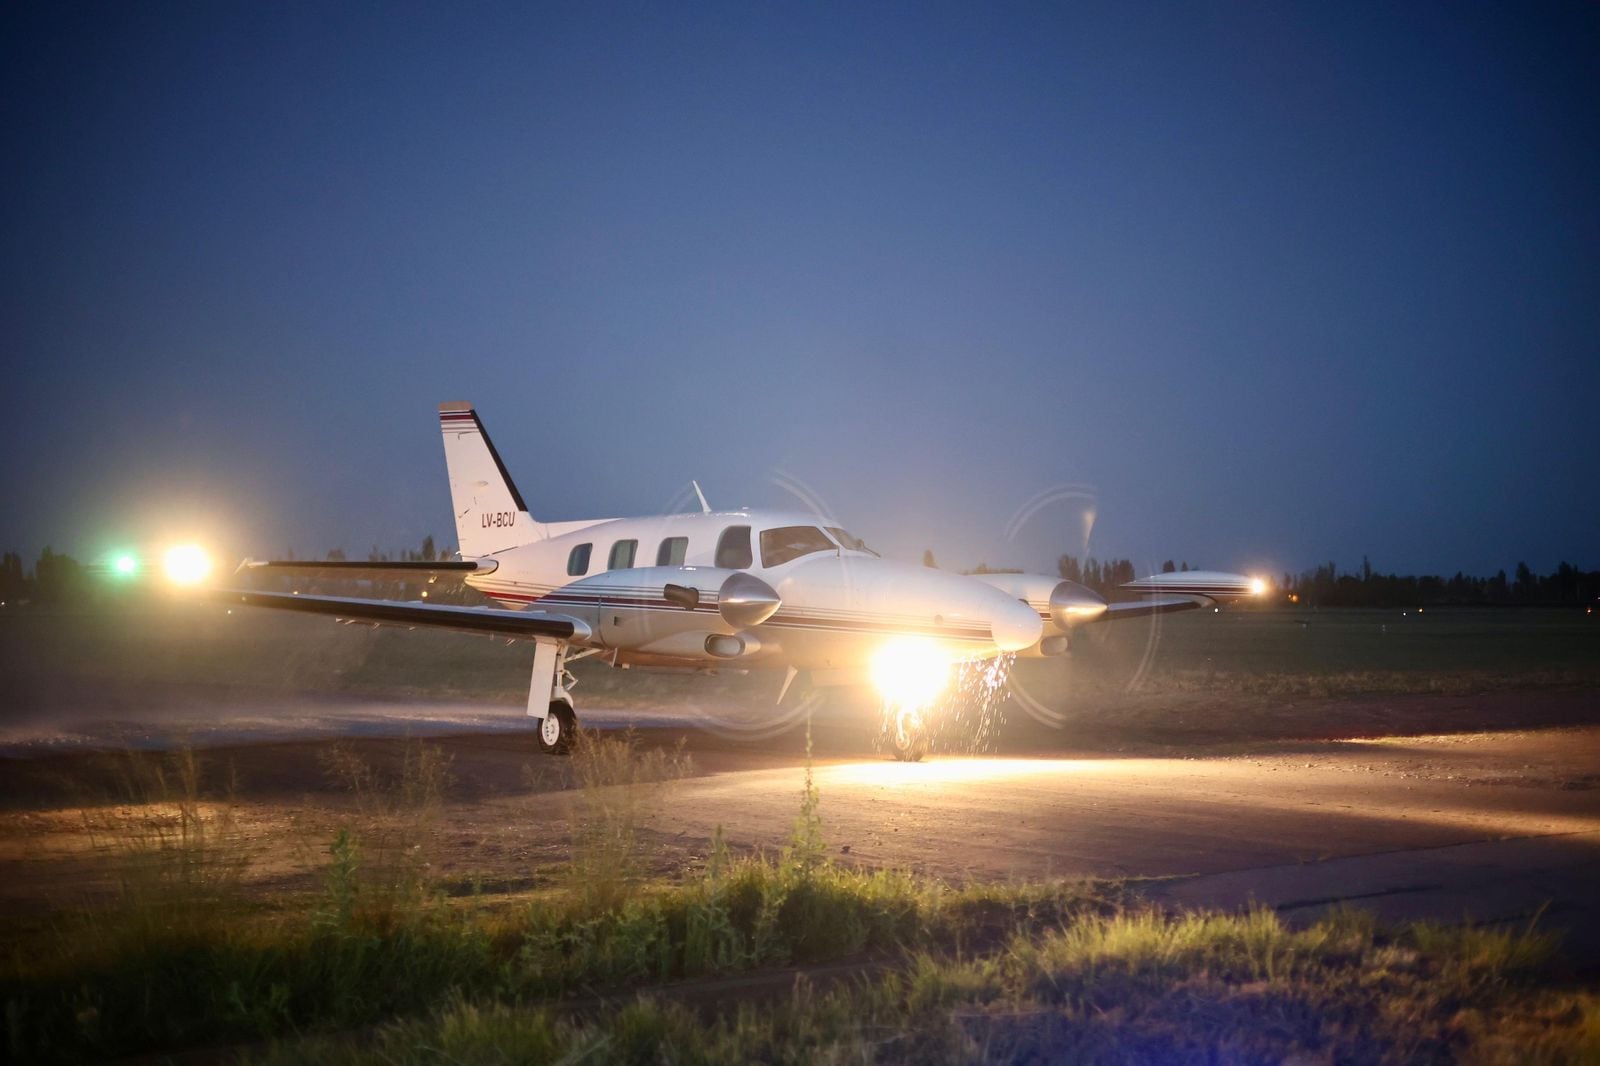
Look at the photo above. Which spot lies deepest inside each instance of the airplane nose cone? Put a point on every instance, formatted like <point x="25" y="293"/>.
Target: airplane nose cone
<point x="1014" y="625"/>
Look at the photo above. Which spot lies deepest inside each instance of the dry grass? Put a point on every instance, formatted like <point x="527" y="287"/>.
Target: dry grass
<point x="621" y="785"/>
<point x="381" y="864"/>
<point x="176" y="849"/>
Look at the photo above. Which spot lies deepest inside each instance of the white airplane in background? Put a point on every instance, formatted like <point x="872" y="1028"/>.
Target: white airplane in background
<point x="717" y="588"/>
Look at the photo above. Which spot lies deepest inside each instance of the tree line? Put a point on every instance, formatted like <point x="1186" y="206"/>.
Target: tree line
<point x="1325" y="586"/>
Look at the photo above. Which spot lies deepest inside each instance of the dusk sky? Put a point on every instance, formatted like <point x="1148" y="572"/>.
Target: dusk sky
<point x="1283" y="283"/>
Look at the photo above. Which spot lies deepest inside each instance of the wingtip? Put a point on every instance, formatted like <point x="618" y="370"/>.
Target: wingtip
<point x="454" y="406"/>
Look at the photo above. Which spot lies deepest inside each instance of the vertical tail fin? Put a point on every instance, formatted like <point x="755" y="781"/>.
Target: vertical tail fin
<point x="490" y="513"/>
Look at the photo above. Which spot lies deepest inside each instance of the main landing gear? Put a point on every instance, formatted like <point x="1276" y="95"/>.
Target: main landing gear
<point x="547" y="693"/>
<point x="558" y="729"/>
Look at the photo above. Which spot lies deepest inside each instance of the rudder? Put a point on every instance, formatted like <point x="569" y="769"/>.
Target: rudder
<point x="490" y="513"/>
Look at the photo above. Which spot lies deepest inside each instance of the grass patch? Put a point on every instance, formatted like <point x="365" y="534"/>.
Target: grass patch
<point x="335" y="964"/>
<point x="1128" y="987"/>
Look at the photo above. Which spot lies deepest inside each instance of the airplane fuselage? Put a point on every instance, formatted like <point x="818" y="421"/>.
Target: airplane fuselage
<point x="836" y="596"/>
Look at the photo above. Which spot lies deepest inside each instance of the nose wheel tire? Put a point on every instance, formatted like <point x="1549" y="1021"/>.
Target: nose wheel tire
<point x="558" y="729"/>
<point x="908" y="737"/>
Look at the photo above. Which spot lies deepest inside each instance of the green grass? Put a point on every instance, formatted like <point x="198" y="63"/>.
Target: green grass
<point x="1326" y="653"/>
<point x="1129" y="987"/>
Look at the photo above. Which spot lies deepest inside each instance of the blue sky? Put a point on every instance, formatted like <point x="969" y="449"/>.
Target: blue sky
<point x="1283" y="283"/>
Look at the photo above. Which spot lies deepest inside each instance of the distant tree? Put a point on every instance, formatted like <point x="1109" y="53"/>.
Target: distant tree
<point x="1128" y="573"/>
<point x="56" y="578"/>
<point x="1525" y="585"/>
<point x="1067" y="566"/>
<point x="1184" y="569"/>
<point x="1366" y="569"/>
<point x="13" y="582"/>
<point x="1169" y="567"/>
<point x="927" y="559"/>
<point x="429" y="554"/>
<point x="336" y="556"/>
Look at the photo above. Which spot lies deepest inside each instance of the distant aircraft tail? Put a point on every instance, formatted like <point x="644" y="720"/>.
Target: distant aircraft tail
<point x="490" y="513"/>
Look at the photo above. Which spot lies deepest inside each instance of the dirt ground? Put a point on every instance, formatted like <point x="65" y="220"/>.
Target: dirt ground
<point x="1174" y="795"/>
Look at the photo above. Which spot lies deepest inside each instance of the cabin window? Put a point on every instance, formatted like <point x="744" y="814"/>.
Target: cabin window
<point x="622" y="553"/>
<point x="578" y="560"/>
<point x="672" y="551"/>
<point x="733" y="548"/>
<point x="780" y="545"/>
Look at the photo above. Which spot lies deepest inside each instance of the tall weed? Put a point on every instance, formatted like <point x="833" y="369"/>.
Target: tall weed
<point x="380" y="872"/>
<point x="177" y="849"/>
<point x="621" y="784"/>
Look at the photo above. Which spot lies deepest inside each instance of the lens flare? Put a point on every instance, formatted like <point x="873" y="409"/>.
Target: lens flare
<point x="909" y="672"/>
<point x="125" y="564"/>
<point x="187" y="564"/>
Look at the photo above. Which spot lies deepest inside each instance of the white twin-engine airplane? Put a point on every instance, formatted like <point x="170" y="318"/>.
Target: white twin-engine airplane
<point x="747" y="587"/>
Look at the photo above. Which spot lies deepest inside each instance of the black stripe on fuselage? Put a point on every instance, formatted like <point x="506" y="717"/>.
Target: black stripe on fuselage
<point x="781" y="620"/>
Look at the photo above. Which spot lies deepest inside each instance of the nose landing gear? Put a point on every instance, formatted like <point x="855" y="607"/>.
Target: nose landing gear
<point x="907" y="734"/>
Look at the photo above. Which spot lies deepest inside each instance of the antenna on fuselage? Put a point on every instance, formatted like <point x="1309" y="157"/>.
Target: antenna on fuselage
<point x="705" y="508"/>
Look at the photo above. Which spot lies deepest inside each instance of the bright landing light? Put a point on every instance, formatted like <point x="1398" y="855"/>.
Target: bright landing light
<point x="910" y="672"/>
<point x="1257" y="586"/>
<point x="187" y="564"/>
<point x="125" y="564"/>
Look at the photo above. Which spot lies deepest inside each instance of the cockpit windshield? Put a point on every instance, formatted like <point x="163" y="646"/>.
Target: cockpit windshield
<point x="849" y="542"/>
<point x="784" y="543"/>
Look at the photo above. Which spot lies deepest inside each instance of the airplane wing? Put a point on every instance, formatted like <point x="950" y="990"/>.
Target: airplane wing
<point x="1118" y="612"/>
<point x="355" y="568"/>
<point x="525" y="625"/>
<point x="1184" y="591"/>
<point x="1211" y="584"/>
